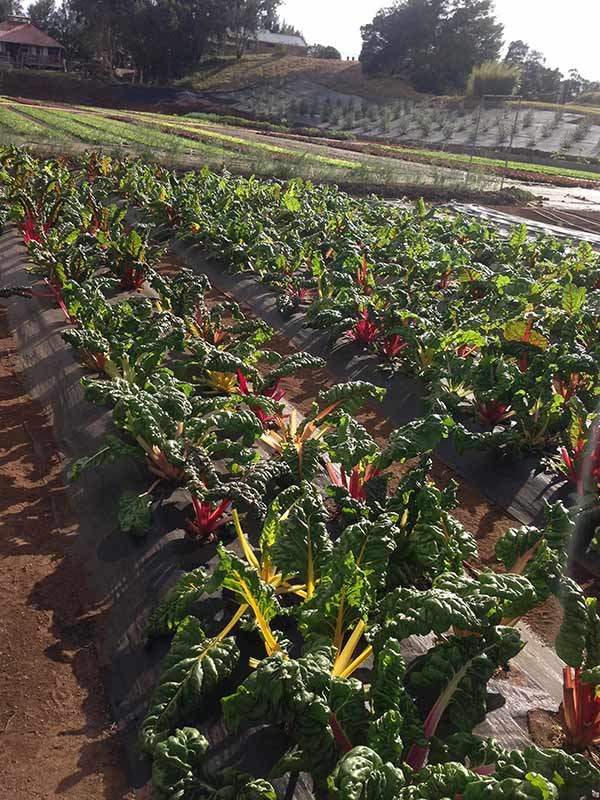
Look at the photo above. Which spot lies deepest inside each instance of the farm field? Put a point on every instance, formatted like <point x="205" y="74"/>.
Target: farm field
<point x="545" y="128"/>
<point x="338" y="607"/>
<point x="187" y="141"/>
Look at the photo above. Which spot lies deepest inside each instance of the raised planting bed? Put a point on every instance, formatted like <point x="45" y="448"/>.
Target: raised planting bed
<point x="333" y="634"/>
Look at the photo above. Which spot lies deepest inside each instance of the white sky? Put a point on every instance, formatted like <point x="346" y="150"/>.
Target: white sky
<point x="566" y="31"/>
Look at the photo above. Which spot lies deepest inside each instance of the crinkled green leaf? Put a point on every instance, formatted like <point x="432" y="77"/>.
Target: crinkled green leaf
<point x="362" y="774"/>
<point x="135" y="513"/>
<point x="177" y="604"/>
<point x="180" y="772"/>
<point x="193" y="668"/>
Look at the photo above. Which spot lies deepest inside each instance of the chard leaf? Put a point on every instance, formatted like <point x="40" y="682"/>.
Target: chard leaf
<point x="193" y="668"/>
<point x="349" y="443"/>
<point x="237" y="576"/>
<point x="467" y="748"/>
<point x="458" y="670"/>
<point x="280" y="507"/>
<point x="114" y="448"/>
<point x="298" y="693"/>
<point x="362" y="774"/>
<point x="573" y="298"/>
<point x="355" y="574"/>
<point x="385" y="738"/>
<point x="406" y="612"/>
<point x="301" y="544"/>
<point x="177" y="604"/>
<point x="518" y="331"/>
<point x="574" y="776"/>
<point x="180" y="772"/>
<point x="347" y="397"/>
<point x="303" y="461"/>
<point x="415" y="439"/>
<point x="516" y="544"/>
<point x="531" y="787"/>
<point x="515" y="593"/>
<point x="572" y="636"/>
<point x="292" y="364"/>
<point x="135" y="513"/>
<point x="388" y="674"/>
<point x="342" y="597"/>
<point x="441" y="781"/>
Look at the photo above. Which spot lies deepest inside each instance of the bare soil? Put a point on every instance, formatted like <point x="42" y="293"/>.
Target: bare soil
<point x="56" y="738"/>
<point x="545" y="728"/>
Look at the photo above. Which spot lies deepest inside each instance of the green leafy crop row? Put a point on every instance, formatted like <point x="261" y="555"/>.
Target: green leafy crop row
<point x="326" y="563"/>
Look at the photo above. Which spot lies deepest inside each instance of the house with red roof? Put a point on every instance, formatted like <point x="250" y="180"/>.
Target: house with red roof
<point x="24" y="45"/>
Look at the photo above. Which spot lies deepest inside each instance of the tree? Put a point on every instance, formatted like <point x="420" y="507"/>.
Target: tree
<point x="574" y="86"/>
<point x="167" y="37"/>
<point x="283" y="27"/>
<point x="8" y="7"/>
<point x="100" y="25"/>
<point x="537" y="80"/>
<point x="246" y="17"/>
<point x="324" y="51"/>
<point x="42" y="13"/>
<point x="434" y="44"/>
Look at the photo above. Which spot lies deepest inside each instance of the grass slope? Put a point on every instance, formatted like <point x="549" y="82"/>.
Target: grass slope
<point x="230" y="74"/>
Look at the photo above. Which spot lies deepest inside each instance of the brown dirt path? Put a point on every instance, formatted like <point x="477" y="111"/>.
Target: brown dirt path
<point x="55" y="736"/>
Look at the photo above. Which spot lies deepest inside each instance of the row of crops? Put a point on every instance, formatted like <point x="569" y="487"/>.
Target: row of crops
<point x="503" y="332"/>
<point x="325" y="565"/>
<point x="155" y="133"/>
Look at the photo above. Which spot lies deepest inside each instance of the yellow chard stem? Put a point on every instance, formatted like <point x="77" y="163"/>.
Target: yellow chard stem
<point x="358" y="661"/>
<point x="270" y="642"/>
<point x="310" y="572"/>
<point x="339" y="623"/>
<point x="232" y="623"/>
<point x="345" y="655"/>
<point x="248" y="551"/>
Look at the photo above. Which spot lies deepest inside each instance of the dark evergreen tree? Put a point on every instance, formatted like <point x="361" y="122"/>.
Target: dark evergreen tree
<point x="434" y="44"/>
<point x="538" y="81"/>
<point x="8" y="7"/>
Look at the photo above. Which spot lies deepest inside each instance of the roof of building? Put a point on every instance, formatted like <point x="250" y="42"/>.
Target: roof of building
<point x="280" y="38"/>
<point x="20" y="31"/>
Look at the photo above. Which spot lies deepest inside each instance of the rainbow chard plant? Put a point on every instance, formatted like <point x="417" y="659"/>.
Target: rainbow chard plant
<point x="268" y="387"/>
<point x="300" y="443"/>
<point x="578" y="459"/>
<point x="373" y="736"/>
<point x="131" y="258"/>
<point x="578" y="644"/>
<point x="177" y="438"/>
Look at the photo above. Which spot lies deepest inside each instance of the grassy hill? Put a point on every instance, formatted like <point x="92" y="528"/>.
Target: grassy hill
<point x="231" y="74"/>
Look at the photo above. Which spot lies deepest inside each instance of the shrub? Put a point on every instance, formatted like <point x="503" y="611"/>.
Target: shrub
<point x="324" y="51"/>
<point x="589" y="99"/>
<point x="501" y="134"/>
<point x="547" y="129"/>
<point x="528" y="118"/>
<point x="492" y="77"/>
<point x="584" y="126"/>
<point x="568" y="141"/>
